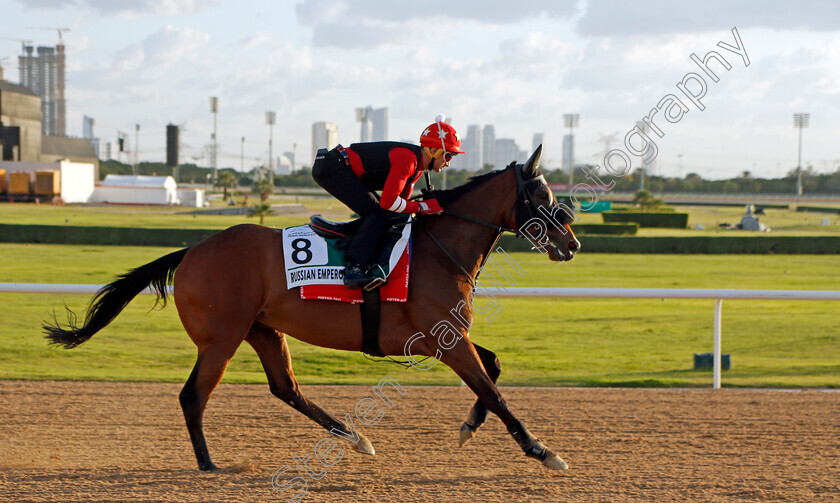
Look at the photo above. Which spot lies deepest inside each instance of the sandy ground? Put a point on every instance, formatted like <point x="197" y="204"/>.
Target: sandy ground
<point x="78" y="441"/>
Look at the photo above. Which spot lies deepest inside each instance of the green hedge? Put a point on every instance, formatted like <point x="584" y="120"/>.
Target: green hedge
<point x="635" y="209"/>
<point x="57" y="234"/>
<point x="818" y="245"/>
<point x="126" y="236"/>
<point x="818" y="209"/>
<point x="629" y="229"/>
<point x="644" y="219"/>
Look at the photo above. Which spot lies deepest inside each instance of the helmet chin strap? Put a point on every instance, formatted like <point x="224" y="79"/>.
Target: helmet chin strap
<point x="432" y="157"/>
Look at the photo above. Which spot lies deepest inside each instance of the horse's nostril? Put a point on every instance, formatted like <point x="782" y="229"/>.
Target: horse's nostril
<point x="573" y="245"/>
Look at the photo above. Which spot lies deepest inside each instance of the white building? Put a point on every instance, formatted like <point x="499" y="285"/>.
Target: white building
<point x="127" y="189"/>
<point x="324" y="135"/>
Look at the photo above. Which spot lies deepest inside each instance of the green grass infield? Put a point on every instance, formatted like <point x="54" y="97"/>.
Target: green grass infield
<point x="540" y="342"/>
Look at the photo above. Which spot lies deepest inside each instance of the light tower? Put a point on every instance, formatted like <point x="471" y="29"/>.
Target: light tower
<point x="800" y="121"/>
<point x="214" y="109"/>
<point x="571" y="121"/>
<point x="643" y="127"/>
<point x="136" y="148"/>
<point x="269" y="119"/>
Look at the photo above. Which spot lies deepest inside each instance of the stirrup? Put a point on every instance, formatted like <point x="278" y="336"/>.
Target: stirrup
<point x="378" y="278"/>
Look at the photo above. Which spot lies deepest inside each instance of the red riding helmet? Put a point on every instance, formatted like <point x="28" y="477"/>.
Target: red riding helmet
<point x="441" y="135"/>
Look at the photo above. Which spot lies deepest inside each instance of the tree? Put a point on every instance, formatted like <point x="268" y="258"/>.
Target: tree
<point x="262" y="185"/>
<point x="226" y="180"/>
<point x="645" y="201"/>
<point x="260" y="210"/>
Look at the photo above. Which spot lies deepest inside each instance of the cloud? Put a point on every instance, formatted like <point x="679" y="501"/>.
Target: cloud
<point x="368" y="24"/>
<point x="169" y="47"/>
<point x="124" y="8"/>
<point x="620" y="18"/>
<point x="256" y="39"/>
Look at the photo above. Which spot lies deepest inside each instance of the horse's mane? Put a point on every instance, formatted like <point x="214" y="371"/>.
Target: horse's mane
<point x="449" y="196"/>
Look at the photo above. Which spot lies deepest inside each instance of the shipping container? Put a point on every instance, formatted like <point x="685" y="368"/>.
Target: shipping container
<point x="48" y="183"/>
<point x="4" y="184"/>
<point x="20" y="183"/>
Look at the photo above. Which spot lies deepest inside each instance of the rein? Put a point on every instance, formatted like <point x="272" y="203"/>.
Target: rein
<point x="526" y="198"/>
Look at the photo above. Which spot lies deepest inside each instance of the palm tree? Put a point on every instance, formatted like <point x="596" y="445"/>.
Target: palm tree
<point x="260" y="210"/>
<point x="226" y="180"/>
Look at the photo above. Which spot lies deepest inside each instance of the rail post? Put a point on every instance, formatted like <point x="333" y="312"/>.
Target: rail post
<point x="716" y="363"/>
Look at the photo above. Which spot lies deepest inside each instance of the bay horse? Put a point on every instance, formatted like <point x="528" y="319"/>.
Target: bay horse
<point x="231" y="288"/>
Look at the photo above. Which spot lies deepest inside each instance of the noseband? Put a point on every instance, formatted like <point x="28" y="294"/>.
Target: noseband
<point x="524" y="210"/>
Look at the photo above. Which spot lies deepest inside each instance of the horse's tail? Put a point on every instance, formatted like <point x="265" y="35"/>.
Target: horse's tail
<point x="111" y="299"/>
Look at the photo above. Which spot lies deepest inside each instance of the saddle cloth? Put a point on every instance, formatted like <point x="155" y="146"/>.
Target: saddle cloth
<point x="316" y="265"/>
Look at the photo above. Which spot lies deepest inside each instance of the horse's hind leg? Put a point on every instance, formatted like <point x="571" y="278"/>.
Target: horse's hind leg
<point x="208" y="371"/>
<point x="478" y="413"/>
<point x="273" y="351"/>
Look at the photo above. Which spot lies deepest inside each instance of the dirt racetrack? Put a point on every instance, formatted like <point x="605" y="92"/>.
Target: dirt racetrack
<point x="87" y="441"/>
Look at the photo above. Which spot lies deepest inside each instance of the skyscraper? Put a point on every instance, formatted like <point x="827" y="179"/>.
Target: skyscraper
<point x="378" y="118"/>
<point x="507" y="151"/>
<point x="472" y="160"/>
<point x="87" y="133"/>
<point x="44" y="75"/>
<point x="324" y="135"/>
<point x="488" y="146"/>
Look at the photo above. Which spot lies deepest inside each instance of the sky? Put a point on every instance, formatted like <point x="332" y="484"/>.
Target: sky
<point x="519" y="66"/>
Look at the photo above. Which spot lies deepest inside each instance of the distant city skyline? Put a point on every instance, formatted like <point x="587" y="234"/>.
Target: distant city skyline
<point x="517" y="67"/>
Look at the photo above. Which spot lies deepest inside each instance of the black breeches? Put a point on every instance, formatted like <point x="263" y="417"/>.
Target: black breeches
<point x="338" y="179"/>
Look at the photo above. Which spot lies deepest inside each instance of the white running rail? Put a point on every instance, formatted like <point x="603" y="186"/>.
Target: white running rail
<point x="616" y="293"/>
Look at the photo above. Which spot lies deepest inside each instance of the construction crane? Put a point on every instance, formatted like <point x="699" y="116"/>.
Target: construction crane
<point x="23" y="43"/>
<point x="59" y="30"/>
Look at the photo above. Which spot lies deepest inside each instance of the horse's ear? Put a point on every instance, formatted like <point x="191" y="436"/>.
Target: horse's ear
<point x="533" y="163"/>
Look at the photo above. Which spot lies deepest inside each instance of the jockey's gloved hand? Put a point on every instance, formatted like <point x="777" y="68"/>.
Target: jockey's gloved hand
<point x="430" y="207"/>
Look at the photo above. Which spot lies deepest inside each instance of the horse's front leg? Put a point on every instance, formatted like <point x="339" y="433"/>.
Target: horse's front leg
<point x="465" y="361"/>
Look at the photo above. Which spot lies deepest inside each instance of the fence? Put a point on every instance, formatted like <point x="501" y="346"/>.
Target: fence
<point x="604" y="293"/>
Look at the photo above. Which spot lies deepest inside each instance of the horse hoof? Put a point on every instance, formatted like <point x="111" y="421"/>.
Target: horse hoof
<point x="466" y="434"/>
<point x="364" y="446"/>
<point x="555" y="463"/>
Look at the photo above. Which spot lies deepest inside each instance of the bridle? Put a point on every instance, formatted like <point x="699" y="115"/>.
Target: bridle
<point x="524" y="210"/>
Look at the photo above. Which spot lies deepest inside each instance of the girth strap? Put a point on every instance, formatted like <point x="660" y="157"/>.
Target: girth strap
<point x="370" y="309"/>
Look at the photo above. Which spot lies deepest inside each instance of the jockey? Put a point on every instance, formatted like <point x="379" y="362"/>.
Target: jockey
<point x="353" y="173"/>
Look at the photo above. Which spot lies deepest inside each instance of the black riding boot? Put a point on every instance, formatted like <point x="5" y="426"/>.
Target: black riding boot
<point x="360" y="252"/>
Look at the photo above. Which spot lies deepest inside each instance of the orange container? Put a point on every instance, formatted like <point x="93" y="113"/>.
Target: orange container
<point x="47" y="183"/>
<point x="4" y="185"/>
<point x="20" y="183"/>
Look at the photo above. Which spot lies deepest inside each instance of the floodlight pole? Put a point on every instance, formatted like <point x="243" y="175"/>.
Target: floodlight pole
<point x="642" y="171"/>
<point x="800" y="121"/>
<point x="242" y="155"/>
<point x="571" y="121"/>
<point x="270" y="119"/>
<point x="136" y="148"/>
<point x="214" y="109"/>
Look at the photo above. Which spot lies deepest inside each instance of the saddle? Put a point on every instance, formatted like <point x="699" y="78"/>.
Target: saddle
<point x="371" y="305"/>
